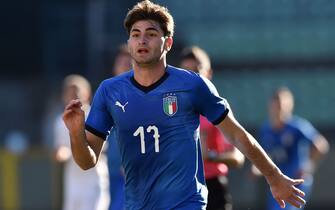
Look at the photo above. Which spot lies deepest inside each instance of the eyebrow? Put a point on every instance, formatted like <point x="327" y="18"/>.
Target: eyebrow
<point x="147" y="29"/>
<point x="151" y="28"/>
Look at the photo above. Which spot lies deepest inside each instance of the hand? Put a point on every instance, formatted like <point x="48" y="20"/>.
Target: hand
<point x="74" y="116"/>
<point x="284" y="190"/>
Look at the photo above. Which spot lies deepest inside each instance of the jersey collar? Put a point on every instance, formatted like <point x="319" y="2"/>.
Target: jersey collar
<point x="151" y="87"/>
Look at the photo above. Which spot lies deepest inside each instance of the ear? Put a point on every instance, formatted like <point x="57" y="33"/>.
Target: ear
<point x="168" y="43"/>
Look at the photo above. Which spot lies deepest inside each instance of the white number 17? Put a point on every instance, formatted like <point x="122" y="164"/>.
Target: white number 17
<point x="140" y="131"/>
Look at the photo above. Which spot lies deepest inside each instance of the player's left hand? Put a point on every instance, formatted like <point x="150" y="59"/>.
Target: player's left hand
<point x="284" y="190"/>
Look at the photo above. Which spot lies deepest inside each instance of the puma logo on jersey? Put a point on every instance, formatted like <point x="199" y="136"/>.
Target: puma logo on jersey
<point x="117" y="103"/>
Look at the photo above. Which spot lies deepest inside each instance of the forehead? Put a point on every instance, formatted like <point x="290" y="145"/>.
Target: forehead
<point x="146" y="24"/>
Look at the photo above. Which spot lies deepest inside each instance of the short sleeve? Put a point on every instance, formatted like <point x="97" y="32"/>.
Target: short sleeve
<point x="208" y="102"/>
<point x="99" y="120"/>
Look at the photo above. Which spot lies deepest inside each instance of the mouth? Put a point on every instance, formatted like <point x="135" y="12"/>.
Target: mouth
<point x="142" y="51"/>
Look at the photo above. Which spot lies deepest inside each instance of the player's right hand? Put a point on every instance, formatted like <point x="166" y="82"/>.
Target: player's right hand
<point x="74" y="116"/>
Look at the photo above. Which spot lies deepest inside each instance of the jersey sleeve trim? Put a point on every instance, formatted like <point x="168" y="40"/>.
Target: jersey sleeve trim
<point x="221" y="118"/>
<point x="95" y="132"/>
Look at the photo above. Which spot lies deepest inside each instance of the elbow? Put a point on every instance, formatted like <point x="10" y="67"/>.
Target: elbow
<point x="85" y="162"/>
<point x="321" y="146"/>
<point x="85" y="166"/>
<point x="325" y="147"/>
<point x="235" y="164"/>
<point x="239" y="160"/>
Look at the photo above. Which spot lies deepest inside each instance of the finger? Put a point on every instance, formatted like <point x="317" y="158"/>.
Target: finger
<point x="298" y="181"/>
<point x="299" y="192"/>
<point x="281" y="203"/>
<point x="75" y="100"/>
<point x="74" y="110"/>
<point x="73" y="103"/>
<point x="72" y="107"/>
<point x="77" y="103"/>
<point x="294" y="203"/>
<point x="298" y="199"/>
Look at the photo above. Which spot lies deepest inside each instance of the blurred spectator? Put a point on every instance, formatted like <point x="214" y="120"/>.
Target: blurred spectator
<point x="83" y="190"/>
<point x="292" y="143"/>
<point x="218" y="154"/>
<point x="122" y="63"/>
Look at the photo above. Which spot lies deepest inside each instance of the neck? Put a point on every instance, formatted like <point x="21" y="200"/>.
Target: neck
<point x="148" y="74"/>
<point x="277" y="125"/>
<point x="279" y="121"/>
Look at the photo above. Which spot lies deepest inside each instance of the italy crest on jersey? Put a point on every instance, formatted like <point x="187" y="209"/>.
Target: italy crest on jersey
<point x="170" y="105"/>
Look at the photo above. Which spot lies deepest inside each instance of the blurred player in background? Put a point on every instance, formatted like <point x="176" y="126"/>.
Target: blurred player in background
<point x="217" y="152"/>
<point x="122" y="63"/>
<point x="83" y="190"/>
<point x="292" y="142"/>
<point x="155" y="110"/>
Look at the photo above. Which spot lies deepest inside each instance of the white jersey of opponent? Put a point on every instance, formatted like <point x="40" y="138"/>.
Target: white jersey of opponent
<point x="83" y="190"/>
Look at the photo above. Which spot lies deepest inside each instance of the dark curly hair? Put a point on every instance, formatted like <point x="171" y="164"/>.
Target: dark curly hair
<point x="147" y="10"/>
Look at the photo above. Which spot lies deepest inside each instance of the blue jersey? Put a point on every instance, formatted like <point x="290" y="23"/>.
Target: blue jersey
<point x="116" y="178"/>
<point x="157" y="129"/>
<point x="290" y="146"/>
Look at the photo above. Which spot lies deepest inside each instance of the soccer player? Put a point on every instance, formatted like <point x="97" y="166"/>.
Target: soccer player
<point x="217" y="152"/>
<point x="155" y="110"/>
<point x="292" y="142"/>
<point x="83" y="190"/>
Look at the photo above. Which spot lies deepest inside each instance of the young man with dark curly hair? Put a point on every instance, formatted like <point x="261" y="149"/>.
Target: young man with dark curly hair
<point x="154" y="109"/>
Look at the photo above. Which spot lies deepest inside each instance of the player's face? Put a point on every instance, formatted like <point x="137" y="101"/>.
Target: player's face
<point x="193" y="65"/>
<point x="190" y="64"/>
<point x="281" y="107"/>
<point x="147" y="43"/>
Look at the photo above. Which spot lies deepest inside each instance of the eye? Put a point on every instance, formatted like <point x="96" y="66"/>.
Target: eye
<point x="152" y="34"/>
<point x="134" y="35"/>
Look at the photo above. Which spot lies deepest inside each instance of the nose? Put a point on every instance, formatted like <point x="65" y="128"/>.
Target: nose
<point x="143" y="40"/>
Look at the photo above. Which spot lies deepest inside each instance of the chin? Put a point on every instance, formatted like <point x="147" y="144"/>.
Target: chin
<point x="143" y="62"/>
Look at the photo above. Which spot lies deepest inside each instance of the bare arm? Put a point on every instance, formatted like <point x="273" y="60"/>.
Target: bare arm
<point x="282" y="187"/>
<point x="320" y="148"/>
<point x="248" y="146"/>
<point x="85" y="146"/>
